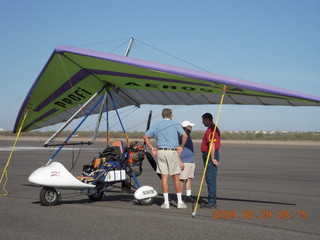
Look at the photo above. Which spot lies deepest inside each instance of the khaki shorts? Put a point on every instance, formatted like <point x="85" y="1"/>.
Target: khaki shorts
<point x="168" y="162"/>
<point x="188" y="171"/>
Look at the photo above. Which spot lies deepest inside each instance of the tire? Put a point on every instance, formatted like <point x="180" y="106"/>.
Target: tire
<point x="97" y="196"/>
<point x="146" y="201"/>
<point x="49" y="196"/>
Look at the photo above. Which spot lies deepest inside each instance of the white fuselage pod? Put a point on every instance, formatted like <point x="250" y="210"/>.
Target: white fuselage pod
<point x="145" y="192"/>
<point x="56" y="175"/>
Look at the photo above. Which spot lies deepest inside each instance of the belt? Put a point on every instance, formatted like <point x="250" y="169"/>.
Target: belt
<point x="168" y="149"/>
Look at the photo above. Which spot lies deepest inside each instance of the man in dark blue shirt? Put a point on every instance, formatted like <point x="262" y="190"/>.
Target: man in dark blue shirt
<point x="187" y="157"/>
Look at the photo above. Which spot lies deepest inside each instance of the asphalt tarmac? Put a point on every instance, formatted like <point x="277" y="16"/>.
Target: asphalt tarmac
<point x="264" y="192"/>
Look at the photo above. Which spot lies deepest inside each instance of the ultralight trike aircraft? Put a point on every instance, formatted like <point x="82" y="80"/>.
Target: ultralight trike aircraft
<point x="117" y="163"/>
<point x="75" y="81"/>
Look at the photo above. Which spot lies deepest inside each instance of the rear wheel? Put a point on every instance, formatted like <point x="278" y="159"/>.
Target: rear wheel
<point x="49" y="196"/>
<point x="97" y="196"/>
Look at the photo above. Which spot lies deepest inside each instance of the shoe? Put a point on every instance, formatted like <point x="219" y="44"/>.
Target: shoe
<point x="208" y="205"/>
<point x="181" y="205"/>
<point x="189" y="199"/>
<point x="165" y="206"/>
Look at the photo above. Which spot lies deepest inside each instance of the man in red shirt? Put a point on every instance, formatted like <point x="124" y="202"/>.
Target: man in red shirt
<point x="212" y="169"/>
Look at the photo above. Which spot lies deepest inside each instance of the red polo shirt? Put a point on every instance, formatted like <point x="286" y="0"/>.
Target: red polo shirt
<point x="206" y="142"/>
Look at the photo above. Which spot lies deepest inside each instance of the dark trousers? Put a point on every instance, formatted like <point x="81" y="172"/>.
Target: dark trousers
<point x="211" y="177"/>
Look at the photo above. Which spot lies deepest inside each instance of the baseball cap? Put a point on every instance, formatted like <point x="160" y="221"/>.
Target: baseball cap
<point x="187" y="123"/>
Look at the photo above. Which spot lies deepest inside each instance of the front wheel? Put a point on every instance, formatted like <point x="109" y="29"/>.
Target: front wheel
<point x="49" y="196"/>
<point x="146" y="201"/>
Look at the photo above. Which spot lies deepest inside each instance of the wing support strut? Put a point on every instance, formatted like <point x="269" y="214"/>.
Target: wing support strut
<point x="104" y="101"/>
<point x="87" y="115"/>
<point x="124" y="131"/>
<point x="46" y="144"/>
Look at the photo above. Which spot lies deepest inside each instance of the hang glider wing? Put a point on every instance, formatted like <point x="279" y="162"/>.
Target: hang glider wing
<point x="72" y="75"/>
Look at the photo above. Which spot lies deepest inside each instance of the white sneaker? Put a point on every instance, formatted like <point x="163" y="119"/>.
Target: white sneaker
<point x="181" y="205"/>
<point x="165" y="206"/>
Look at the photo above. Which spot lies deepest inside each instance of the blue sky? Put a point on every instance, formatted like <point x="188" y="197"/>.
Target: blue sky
<point x="274" y="42"/>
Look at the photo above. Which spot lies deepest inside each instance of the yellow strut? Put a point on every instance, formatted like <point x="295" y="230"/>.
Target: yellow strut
<point x="212" y="140"/>
<point x="5" y="172"/>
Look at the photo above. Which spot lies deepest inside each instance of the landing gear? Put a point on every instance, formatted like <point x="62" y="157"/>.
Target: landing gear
<point x="96" y="196"/>
<point x="146" y="201"/>
<point x="49" y="196"/>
